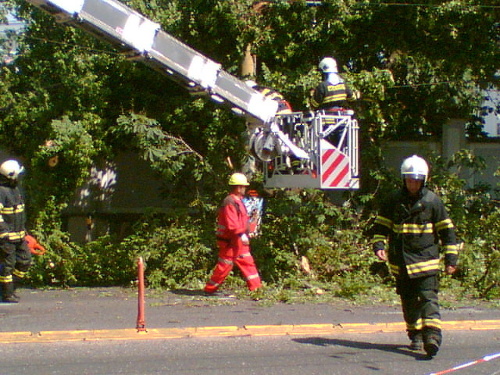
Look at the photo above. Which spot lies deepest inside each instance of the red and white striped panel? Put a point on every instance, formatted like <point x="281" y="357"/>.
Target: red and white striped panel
<point x="335" y="169"/>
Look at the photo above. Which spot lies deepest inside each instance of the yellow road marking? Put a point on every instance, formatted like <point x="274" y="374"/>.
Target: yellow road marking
<point x="231" y="331"/>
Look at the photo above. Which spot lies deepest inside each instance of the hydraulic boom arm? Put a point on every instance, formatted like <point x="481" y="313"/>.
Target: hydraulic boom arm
<point x="314" y="150"/>
<point x="143" y="39"/>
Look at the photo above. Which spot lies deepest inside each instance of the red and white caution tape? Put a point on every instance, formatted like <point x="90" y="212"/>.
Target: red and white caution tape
<point x="484" y="359"/>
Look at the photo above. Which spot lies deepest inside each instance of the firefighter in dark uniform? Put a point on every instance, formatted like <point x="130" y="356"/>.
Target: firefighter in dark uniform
<point x="331" y="96"/>
<point x="15" y="255"/>
<point x="332" y="93"/>
<point x="407" y="232"/>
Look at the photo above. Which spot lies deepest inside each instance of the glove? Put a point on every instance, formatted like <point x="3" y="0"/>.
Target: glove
<point x="381" y="254"/>
<point x="450" y="270"/>
<point x="244" y="239"/>
<point x="34" y="246"/>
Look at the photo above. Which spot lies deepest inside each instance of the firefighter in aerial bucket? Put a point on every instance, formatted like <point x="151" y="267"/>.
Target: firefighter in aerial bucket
<point x="233" y="238"/>
<point x="332" y="94"/>
<point x="331" y="97"/>
<point x="411" y="225"/>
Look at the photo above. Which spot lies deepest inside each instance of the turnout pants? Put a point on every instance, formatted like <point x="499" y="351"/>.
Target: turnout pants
<point x="229" y="255"/>
<point x="419" y="300"/>
<point x="15" y="260"/>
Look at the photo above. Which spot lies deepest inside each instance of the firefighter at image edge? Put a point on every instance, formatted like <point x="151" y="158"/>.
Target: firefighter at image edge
<point x="407" y="232"/>
<point x="15" y="255"/>
<point x="233" y="240"/>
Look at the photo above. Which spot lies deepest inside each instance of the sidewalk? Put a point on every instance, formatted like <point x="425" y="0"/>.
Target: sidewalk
<point x="112" y="314"/>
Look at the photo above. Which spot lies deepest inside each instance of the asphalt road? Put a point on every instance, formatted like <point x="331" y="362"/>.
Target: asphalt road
<point x="117" y="308"/>
<point x="359" y="354"/>
<point x="94" y="331"/>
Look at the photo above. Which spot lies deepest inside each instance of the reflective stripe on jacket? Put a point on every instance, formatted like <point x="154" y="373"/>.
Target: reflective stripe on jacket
<point x="413" y="230"/>
<point x="328" y="95"/>
<point x="12" y="214"/>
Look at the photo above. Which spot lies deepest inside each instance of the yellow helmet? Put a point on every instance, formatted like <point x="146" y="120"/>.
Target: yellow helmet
<point x="238" y="179"/>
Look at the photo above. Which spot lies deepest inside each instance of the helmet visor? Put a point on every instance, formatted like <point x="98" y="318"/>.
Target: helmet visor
<point x="414" y="176"/>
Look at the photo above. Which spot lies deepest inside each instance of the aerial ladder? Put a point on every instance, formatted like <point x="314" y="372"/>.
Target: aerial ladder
<point x="294" y="150"/>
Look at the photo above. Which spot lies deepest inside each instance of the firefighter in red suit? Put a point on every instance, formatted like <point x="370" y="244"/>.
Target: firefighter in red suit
<point x="233" y="238"/>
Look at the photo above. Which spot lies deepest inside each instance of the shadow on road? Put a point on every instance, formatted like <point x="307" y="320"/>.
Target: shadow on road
<point x="399" y="349"/>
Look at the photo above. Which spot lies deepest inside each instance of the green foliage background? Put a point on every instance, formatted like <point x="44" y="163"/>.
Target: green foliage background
<point x="71" y="97"/>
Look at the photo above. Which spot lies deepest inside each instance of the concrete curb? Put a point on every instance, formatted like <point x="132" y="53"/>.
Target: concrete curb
<point x="230" y="331"/>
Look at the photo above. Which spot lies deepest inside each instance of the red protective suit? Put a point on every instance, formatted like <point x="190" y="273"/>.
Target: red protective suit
<point x="232" y="223"/>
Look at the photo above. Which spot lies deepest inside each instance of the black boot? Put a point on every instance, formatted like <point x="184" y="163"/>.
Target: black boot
<point x="17" y="282"/>
<point x="8" y="293"/>
<point x="417" y="340"/>
<point x="432" y="341"/>
<point x="431" y="347"/>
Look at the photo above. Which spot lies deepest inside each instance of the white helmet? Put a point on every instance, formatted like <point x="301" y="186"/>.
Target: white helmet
<point x="11" y="169"/>
<point x="328" y="65"/>
<point x="415" y="167"/>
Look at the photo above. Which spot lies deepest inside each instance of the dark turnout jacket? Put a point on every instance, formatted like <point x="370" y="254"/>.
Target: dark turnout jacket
<point x="328" y="95"/>
<point x="12" y="214"/>
<point x="413" y="231"/>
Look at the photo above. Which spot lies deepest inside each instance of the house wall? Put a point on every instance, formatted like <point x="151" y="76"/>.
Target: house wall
<point x="453" y="140"/>
<point x="115" y="195"/>
<point x="130" y="188"/>
<point x="118" y="192"/>
<point x="396" y="152"/>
